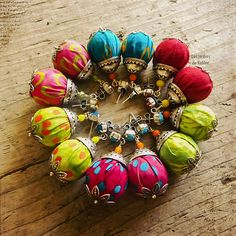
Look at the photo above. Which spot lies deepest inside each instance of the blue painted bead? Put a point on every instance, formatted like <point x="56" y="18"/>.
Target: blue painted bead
<point x="144" y="166"/>
<point x="117" y="189"/>
<point x="97" y="170"/>
<point x="160" y="183"/>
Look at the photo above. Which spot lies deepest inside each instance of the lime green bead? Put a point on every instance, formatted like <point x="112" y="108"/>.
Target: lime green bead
<point x="81" y="117"/>
<point x="95" y="139"/>
<point x="179" y="153"/>
<point x="70" y="160"/>
<point x="198" y="121"/>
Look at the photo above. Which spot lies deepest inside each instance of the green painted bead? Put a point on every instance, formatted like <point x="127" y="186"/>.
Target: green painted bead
<point x="198" y="121"/>
<point x="179" y="153"/>
<point x="70" y="160"/>
<point x="51" y="126"/>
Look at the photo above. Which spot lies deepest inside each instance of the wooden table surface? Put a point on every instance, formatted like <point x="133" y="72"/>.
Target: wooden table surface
<point x="33" y="203"/>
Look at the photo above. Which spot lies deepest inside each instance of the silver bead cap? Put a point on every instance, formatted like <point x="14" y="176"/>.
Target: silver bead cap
<point x="72" y="116"/>
<point x="175" y="117"/>
<point x="162" y="138"/>
<point x="115" y="156"/>
<point x="71" y="92"/>
<point x="89" y="144"/>
<point x="142" y="152"/>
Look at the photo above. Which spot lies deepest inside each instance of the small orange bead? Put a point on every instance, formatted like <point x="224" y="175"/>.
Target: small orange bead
<point x="112" y="76"/>
<point x="140" y="145"/>
<point x="132" y="77"/>
<point x="118" y="149"/>
<point x="156" y="133"/>
<point x="166" y="114"/>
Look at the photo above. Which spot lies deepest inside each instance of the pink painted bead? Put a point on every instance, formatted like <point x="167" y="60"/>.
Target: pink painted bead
<point x="73" y="60"/>
<point x="107" y="179"/>
<point x="147" y="174"/>
<point x="48" y="87"/>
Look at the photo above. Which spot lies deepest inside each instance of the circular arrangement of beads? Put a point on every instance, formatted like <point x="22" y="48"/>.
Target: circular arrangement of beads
<point x="174" y="97"/>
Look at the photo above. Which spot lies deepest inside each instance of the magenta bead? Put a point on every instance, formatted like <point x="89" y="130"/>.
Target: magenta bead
<point x="148" y="176"/>
<point x="106" y="180"/>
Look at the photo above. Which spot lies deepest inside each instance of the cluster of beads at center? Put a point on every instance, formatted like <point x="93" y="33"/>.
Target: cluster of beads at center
<point x="173" y="98"/>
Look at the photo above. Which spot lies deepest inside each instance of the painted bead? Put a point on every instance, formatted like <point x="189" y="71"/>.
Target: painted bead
<point x="53" y="125"/>
<point x="115" y="137"/>
<point x="107" y="178"/>
<point x="129" y="135"/>
<point x="102" y="127"/>
<point x="105" y="49"/>
<point x="158" y="118"/>
<point x="48" y="87"/>
<point x="142" y="128"/>
<point x="195" y="120"/>
<point x="137" y="50"/>
<point x="178" y="151"/>
<point x="190" y="85"/>
<point x="73" y="60"/>
<point x="70" y="160"/>
<point x="147" y="175"/>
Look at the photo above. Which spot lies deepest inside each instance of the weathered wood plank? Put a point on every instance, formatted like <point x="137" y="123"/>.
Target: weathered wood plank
<point x="32" y="203"/>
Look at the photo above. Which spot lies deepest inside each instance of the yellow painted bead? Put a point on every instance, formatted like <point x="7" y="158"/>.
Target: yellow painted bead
<point x="160" y="83"/>
<point x="95" y="139"/>
<point x="81" y="117"/>
<point x="165" y="103"/>
<point x="118" y="149"/>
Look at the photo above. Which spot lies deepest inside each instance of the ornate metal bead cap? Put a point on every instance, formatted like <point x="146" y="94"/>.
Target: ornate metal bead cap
<point x="162" y="138"/>
<point x="87" y="71"/>
<point x="176" y="116"/>
<point x="175" y="95"/>
<point x="110" y="65"/>
<point x="115" y="156"/>
<point x="89" y="144"/>
<point x="72" y="119"/>
<point x="60" y="175"/>
<point x="134" y="65"/>
<point x="71" y="92"/>
<point x="164" y="72"/>
<point x="142" y="152"/>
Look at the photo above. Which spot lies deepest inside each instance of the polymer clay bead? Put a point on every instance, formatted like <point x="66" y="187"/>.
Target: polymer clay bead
<point x="147" y="175"/>
<point x="73" y="60"/>
<point x="178" y="151"/>
<point x="107" y="178"/>
<point x="195" y="120"/>
<point x="70" y="159"/>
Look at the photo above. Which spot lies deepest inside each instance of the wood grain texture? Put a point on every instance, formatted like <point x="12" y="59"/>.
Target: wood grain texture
<point x="32" y="203"/>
